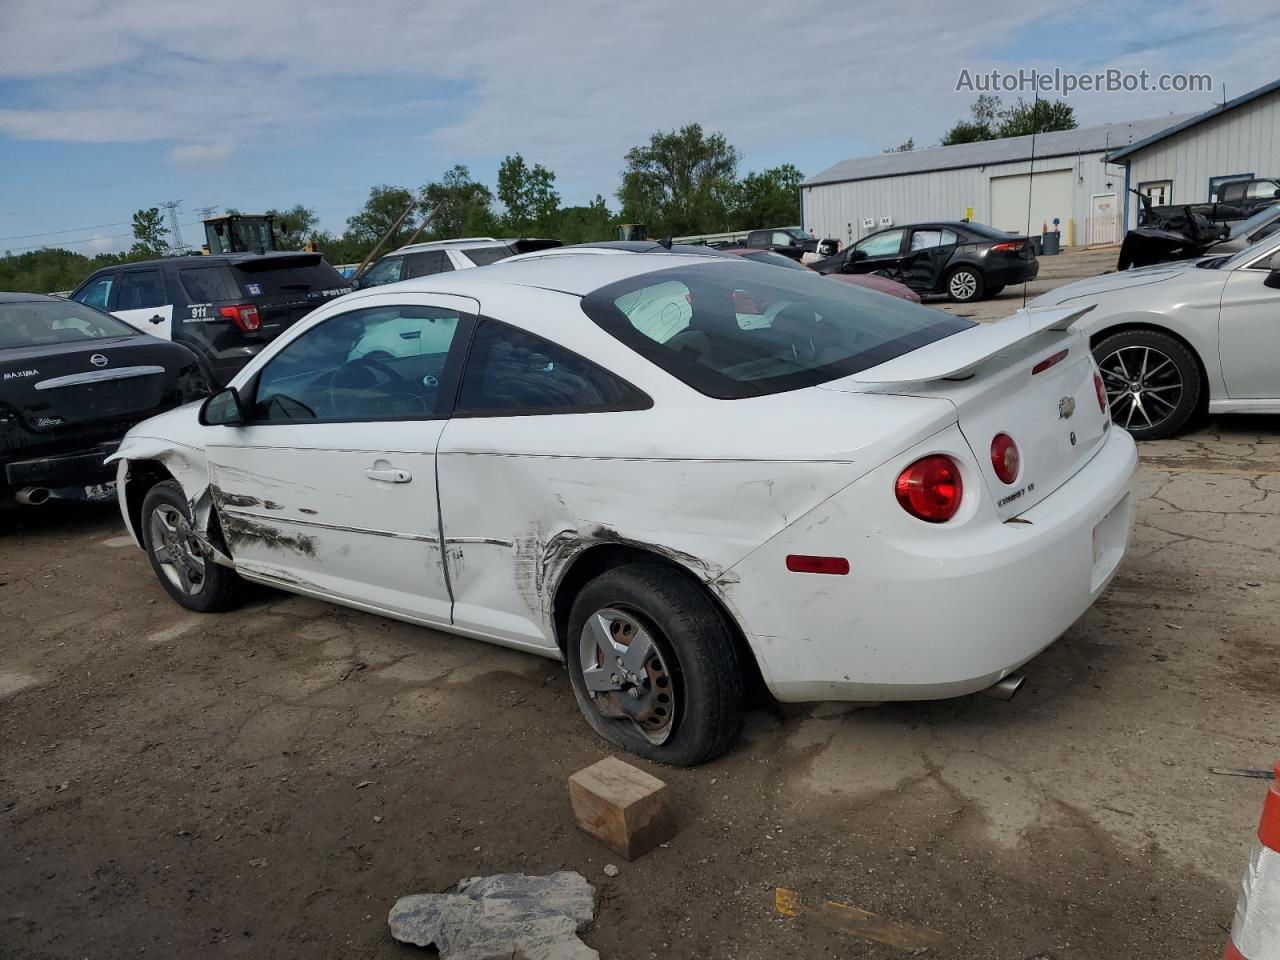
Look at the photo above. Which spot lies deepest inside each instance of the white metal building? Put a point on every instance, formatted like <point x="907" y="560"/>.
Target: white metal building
<point x="1187" y="162"/>
<point x="990" y="182"/>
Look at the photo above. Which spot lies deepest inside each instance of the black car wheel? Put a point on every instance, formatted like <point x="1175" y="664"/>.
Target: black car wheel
<point x="181" y="563"/>
<point x="964" y="285"/>
<point x="1152" y="382"/>
<point x="653" y="665"/>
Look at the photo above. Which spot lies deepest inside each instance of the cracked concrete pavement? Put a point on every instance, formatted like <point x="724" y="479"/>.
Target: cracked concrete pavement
<point x="266" y="783"/>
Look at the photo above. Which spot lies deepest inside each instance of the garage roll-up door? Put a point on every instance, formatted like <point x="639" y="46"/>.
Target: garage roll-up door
<point x="1050" y="197"/>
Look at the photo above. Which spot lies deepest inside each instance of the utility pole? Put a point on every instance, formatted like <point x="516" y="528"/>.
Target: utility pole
<point x="176" y="246"/>
<point x="206" y="212"/>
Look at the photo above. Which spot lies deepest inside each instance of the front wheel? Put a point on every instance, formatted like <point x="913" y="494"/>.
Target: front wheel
<point x="1152" y="382"/>
<point x="181" y="563"/>
<point x="964" y="285"/>
<point x="654" y="666"/>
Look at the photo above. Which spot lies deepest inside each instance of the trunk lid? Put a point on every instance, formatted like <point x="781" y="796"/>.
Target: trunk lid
<point x="286" y="287"/>
<point x="1027" y="376"/>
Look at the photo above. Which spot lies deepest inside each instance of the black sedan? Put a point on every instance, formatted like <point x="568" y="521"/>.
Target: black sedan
<point x="965" y="261"/>
<point x="73" y="380"/>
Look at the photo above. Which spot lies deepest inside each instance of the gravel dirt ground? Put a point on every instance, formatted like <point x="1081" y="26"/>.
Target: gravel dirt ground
<point x="266" y="783"/>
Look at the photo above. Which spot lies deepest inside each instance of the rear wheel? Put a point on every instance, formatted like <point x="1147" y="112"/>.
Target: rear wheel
<point x="181" y="563"/>
<point x="653" y="665"/>
<point x="1152" y="382"/>
<point x="964" y="285"/>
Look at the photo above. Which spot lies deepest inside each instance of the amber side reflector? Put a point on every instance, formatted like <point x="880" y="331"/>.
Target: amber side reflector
<point x="801" y="563"/>
<point x="1048" y="362"/>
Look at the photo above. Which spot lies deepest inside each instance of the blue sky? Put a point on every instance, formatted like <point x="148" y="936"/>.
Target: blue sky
<point x="107" y="107"/>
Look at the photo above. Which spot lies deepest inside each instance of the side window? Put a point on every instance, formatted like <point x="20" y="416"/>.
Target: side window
<point x="97" y="293"/>
<point x="208" y="284"/>
<point x="759" y="238"/>
<point x="483" y="256"/>
<point x="379" y="363"/>
<point x="925" y="239"/>
<point x="781" y="239"/>
<point x="425" y="264"/>
<point x="1231" y="191"/>
<point x="141" y="290"/>
<point x="510" y="371"/>
<point x="386" y="270"/>
<point x="885" y="244"/>
<point x="1263" y="189"/>
<point x="949" y="238"/>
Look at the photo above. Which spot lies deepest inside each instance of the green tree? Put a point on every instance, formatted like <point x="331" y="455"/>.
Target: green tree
<point x="985" y="113"/>
<point x="770" y="198"/>
<point x="458" y="206"/>
<point x="905" y="147"/>
<point x="149" y="233"/>
<point x="680" y="182"/>
<point x="379" y="214"/>
<point x="584" y="224"/>
<point x="1039" y="116"/>
<point x="529" y="195"/>
<point x="294" y="226"/>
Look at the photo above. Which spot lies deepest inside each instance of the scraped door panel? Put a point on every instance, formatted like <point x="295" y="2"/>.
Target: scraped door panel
<point x="344" y="509"/>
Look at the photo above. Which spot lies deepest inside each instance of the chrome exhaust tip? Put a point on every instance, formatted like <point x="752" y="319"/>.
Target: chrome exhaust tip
<point x="32" y="496"/>
<point x="1007" y="688"/>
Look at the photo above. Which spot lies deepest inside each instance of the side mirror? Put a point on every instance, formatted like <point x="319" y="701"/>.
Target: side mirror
<point x="222" y="409"/>
<point x="1273" y="278"/>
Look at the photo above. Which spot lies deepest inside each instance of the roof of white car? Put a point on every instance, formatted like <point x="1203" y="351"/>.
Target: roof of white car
<point x="576" y="272"/>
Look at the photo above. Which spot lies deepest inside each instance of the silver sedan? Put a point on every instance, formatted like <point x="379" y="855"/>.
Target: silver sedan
<point x="1176" y="339"/>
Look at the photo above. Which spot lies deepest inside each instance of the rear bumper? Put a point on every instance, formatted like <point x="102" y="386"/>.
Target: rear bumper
<point x="79" y="468"/>
<point x="927" y="613"/>
<point x="1019" y="272"/>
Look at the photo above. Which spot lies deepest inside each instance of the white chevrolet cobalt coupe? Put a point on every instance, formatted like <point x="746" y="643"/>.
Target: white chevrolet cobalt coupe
<point x="669" y="471"/>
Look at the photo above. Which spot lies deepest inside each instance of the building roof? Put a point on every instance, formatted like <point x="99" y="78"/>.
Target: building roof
<point x="1059" y="143"/>
<point x="1192" y="121"/>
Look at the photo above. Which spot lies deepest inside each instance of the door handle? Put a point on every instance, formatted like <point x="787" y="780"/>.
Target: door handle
<point x="156" y="319"/>
<point x="389" y="475"/>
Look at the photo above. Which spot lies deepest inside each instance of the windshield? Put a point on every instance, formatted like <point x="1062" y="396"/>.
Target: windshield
<point x="33" y="323"/>
<point x="734" y="329"/>
<point x="1261" y="218"/>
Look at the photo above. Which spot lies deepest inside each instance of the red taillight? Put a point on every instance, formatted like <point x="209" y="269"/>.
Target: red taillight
<point x="243" y="315"/>
<point x="1005" y="457"/>
<point x="930" y="488"/>
<point x="1008" y="247"/>
<point x="1048" y="362"/>
<point x="1101" y="391"/>
<point x="802" y="563"/>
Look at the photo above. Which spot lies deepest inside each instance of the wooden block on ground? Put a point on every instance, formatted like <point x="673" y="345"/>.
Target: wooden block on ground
<point x="622" y="807"/>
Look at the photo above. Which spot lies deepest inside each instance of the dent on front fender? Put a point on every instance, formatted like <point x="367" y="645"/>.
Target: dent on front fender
<point x="187" y="465"/>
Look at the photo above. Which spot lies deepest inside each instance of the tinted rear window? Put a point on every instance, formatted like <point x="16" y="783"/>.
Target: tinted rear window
<point x="483" y="256"/>
<point x="40" y="322"/>
<point x="742" y="329"/>
<point x="991" y="233"/>
<point x="288" y="277"/>
<point x="209" y="284"/>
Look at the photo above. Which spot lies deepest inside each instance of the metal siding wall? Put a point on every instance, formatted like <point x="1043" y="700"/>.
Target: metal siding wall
<point x="1245" y="140"/>
<point x="944" y="195"/>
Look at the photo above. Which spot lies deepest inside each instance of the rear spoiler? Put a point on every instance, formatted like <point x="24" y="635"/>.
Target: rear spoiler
<point x="957" y="355"/>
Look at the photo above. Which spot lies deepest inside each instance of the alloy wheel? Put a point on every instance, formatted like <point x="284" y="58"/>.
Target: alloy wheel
<point x="177" y="550"/>
<point x="1144" y="386"/>
<point x="963" y="285"/>
<point x="625" y="673"/>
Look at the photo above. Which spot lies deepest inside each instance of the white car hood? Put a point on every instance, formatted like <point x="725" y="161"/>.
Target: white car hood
<point x="1091" y="287"/>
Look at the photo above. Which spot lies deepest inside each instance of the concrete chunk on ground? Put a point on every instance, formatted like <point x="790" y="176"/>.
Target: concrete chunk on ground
<point x="497" y="917"/>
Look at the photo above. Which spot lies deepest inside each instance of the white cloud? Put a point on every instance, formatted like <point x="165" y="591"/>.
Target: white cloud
<point x="571" y="84"/>
<point x="201" y="154"/>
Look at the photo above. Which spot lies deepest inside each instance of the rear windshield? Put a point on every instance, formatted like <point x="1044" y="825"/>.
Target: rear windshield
<point x="734" y="329"/>
<point x="40" y="322"/>
<point x="483" y="256"/>
<point x="303" y="276"/>
<point x="775" y="259"/>
<point x="991" y="233"/>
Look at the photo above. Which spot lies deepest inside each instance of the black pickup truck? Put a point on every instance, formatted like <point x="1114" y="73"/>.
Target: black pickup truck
<point x="1237" y="200"/>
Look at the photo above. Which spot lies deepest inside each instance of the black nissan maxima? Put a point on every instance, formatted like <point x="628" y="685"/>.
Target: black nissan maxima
<point x="73" y="380"/>
<point x="965" y="261"/>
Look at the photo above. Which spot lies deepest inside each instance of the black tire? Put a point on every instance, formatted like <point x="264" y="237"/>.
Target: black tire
<point x="965" y="284"/>
<point x="697" y="651"/>
<point x="216" y="588"/>
<point x="1168" y="395"/>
